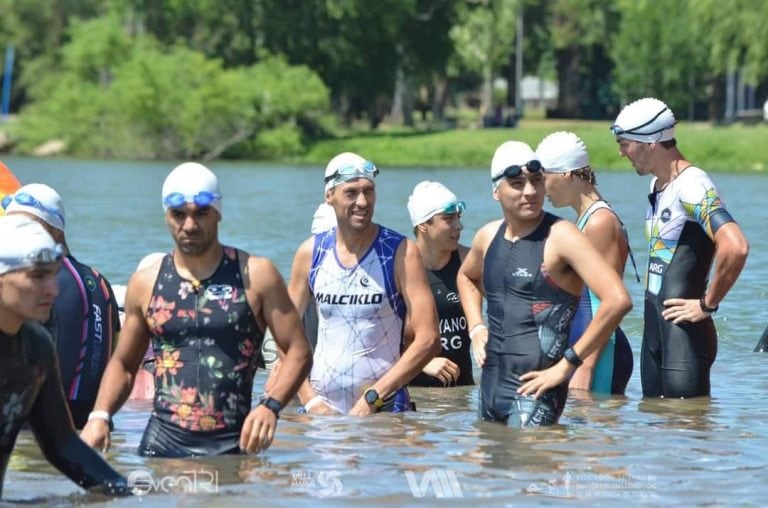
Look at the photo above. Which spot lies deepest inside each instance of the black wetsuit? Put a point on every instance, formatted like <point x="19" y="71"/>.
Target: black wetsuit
<point x="454" y="336"/>
<point x="529" y="319"/>
<point x="207" y="343"/>
<point x="84" y="323"/>
<point x="31" y="392"/>
<point x="681" y="223"/>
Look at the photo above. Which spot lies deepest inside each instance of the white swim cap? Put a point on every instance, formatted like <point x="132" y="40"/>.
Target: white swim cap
<point x="562" y="152"/>
<point x="430" y="198"/>
<point x="39" y="200"/>
<point x="509" y="153"/>
<point x="646" y="120"/>
<point x="347" y="166"/>
<point x="324" y="219"/>
<point x="191" y="182"/>
<point x="25" y="243"/>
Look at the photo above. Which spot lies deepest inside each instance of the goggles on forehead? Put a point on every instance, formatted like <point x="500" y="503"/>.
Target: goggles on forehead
<point x="513" y="171"/>
<point x="26" y="199"/>
<point x="348" y="171"/>
<point x="455" y="207"/>
<point x="201" y="199"/>
<point x="618" y="131"/>
<point x="42" y="256"/>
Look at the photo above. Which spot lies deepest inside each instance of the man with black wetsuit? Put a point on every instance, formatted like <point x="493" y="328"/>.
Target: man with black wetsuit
<point x="205" y="307"/>
<point x="30" y="386"/>
<point x="688" y="227"/>
<point x="531" y="267"/>
<point x="85" y="319"/>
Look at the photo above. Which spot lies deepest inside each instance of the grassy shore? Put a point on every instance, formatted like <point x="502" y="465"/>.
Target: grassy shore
<point x="734" y="148"/>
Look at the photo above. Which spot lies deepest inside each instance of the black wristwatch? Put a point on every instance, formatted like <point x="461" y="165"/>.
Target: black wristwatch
<point x="271" y="404"/>
<point x="570" y="355"/>
<point x="372" y="397"/>
<point x="703" y="305"/>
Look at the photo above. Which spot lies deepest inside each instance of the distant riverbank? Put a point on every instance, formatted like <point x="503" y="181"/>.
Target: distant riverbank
<point x="734" y="149"/>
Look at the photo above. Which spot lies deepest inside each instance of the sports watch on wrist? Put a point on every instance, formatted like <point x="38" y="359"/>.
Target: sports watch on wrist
<point x="372" y="397"/>
<point x="271" y="404"/>
<point x="570" y="355"/>
<point x="706" y="308"/>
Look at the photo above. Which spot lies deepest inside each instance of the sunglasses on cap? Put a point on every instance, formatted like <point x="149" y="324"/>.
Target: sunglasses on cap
<point x="26" y="199"/>
<point x="42" y="256"/>
<point x="618" y="131"/>
<point x="513" y="171"/>
<point x="201" y="199"/>
<point x="366" y="169"/>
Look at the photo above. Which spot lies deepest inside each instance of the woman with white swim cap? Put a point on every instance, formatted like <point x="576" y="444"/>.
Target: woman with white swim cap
<point x="570" y="181"/>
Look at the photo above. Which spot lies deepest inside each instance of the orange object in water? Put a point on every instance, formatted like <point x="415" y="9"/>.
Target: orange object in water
<point x="8" y="183"/>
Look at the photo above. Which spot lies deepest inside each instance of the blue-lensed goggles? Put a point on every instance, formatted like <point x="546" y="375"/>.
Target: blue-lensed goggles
<point x="26" y="199"/>
<point x="513" y="171"/>
<point x="349" y="171"/>
<point x="201" y="199"/>
<point x="455" y="207"/>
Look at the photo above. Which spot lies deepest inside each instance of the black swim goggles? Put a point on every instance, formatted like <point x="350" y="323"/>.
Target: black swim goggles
<point x="26" y="199"/>
<point x="346" y="172"/>
<point x="618" y="131"/>
<point x="201" y="199"/>
<point x="513" y="171"/>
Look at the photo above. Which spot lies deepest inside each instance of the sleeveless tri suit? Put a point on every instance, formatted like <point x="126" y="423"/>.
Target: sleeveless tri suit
<point x="454" y="336"/>
<point x="360" y="321"/>
<point x="31" y="392"/>
<point x="680" y="224"/>
<point x="529" y="319"/>
<point x="614" y="366"/>
<point x="206" y="342"/>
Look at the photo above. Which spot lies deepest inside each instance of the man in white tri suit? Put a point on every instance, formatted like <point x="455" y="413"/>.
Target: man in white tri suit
<point x="364" y="279"/>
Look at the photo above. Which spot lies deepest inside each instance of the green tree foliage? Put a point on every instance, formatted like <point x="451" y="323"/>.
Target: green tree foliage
<point x="660" y="50"/>
<point x="122" y="97"/>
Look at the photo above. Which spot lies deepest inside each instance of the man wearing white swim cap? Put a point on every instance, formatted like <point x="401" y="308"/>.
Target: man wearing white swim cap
<point x="435" y="214"/>
<point x="31" y="390"/>
<point x="205" y="307"/>
<point x="364" y="278"/>
<point x="531" y="267"/>
<point x="85" y="319"/>
<point x="688" y="228"/>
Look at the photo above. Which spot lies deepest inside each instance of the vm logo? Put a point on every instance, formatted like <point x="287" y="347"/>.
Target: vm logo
<point x="443" y="483"/>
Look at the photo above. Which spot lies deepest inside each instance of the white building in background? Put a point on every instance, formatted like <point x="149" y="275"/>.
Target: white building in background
<point x="538" y="93"/>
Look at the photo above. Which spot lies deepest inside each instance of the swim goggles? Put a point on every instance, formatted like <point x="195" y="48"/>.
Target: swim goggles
<point x="39" y="257"/>
<point x="455" y="207"/>
<point x="26" y="199"/>
<point x="618" y="131"/>
<point x="349" y="171"/>
<point x="201" y="199"/>
<point x="513" y="171"/>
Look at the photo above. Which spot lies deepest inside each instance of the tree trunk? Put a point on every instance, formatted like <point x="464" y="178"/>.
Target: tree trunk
<point x="569" y="96"/>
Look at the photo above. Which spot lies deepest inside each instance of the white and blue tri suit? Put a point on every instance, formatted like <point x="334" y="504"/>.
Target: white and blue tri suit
<point x="360" y="321"/>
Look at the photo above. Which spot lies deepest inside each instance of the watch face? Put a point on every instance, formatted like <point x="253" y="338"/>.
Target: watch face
<point x="371" y="396"/>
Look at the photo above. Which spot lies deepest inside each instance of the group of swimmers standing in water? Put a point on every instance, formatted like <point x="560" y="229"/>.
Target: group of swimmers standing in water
<point x="383" y="312"/>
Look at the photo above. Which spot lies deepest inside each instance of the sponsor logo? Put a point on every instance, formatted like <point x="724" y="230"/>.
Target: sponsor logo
<point x="219" y="292"/>
<point x="90" y="283"/>
<point x="666" y="214"/>
<point x="657" y="268"/>
<point x="324" y="483"/>
<point x="366" y="299"/>
<point x="452" y="297"/>
<point x="142" y="482"/>
<point x="364" y="281"/>
<point x="522" y="272"/>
